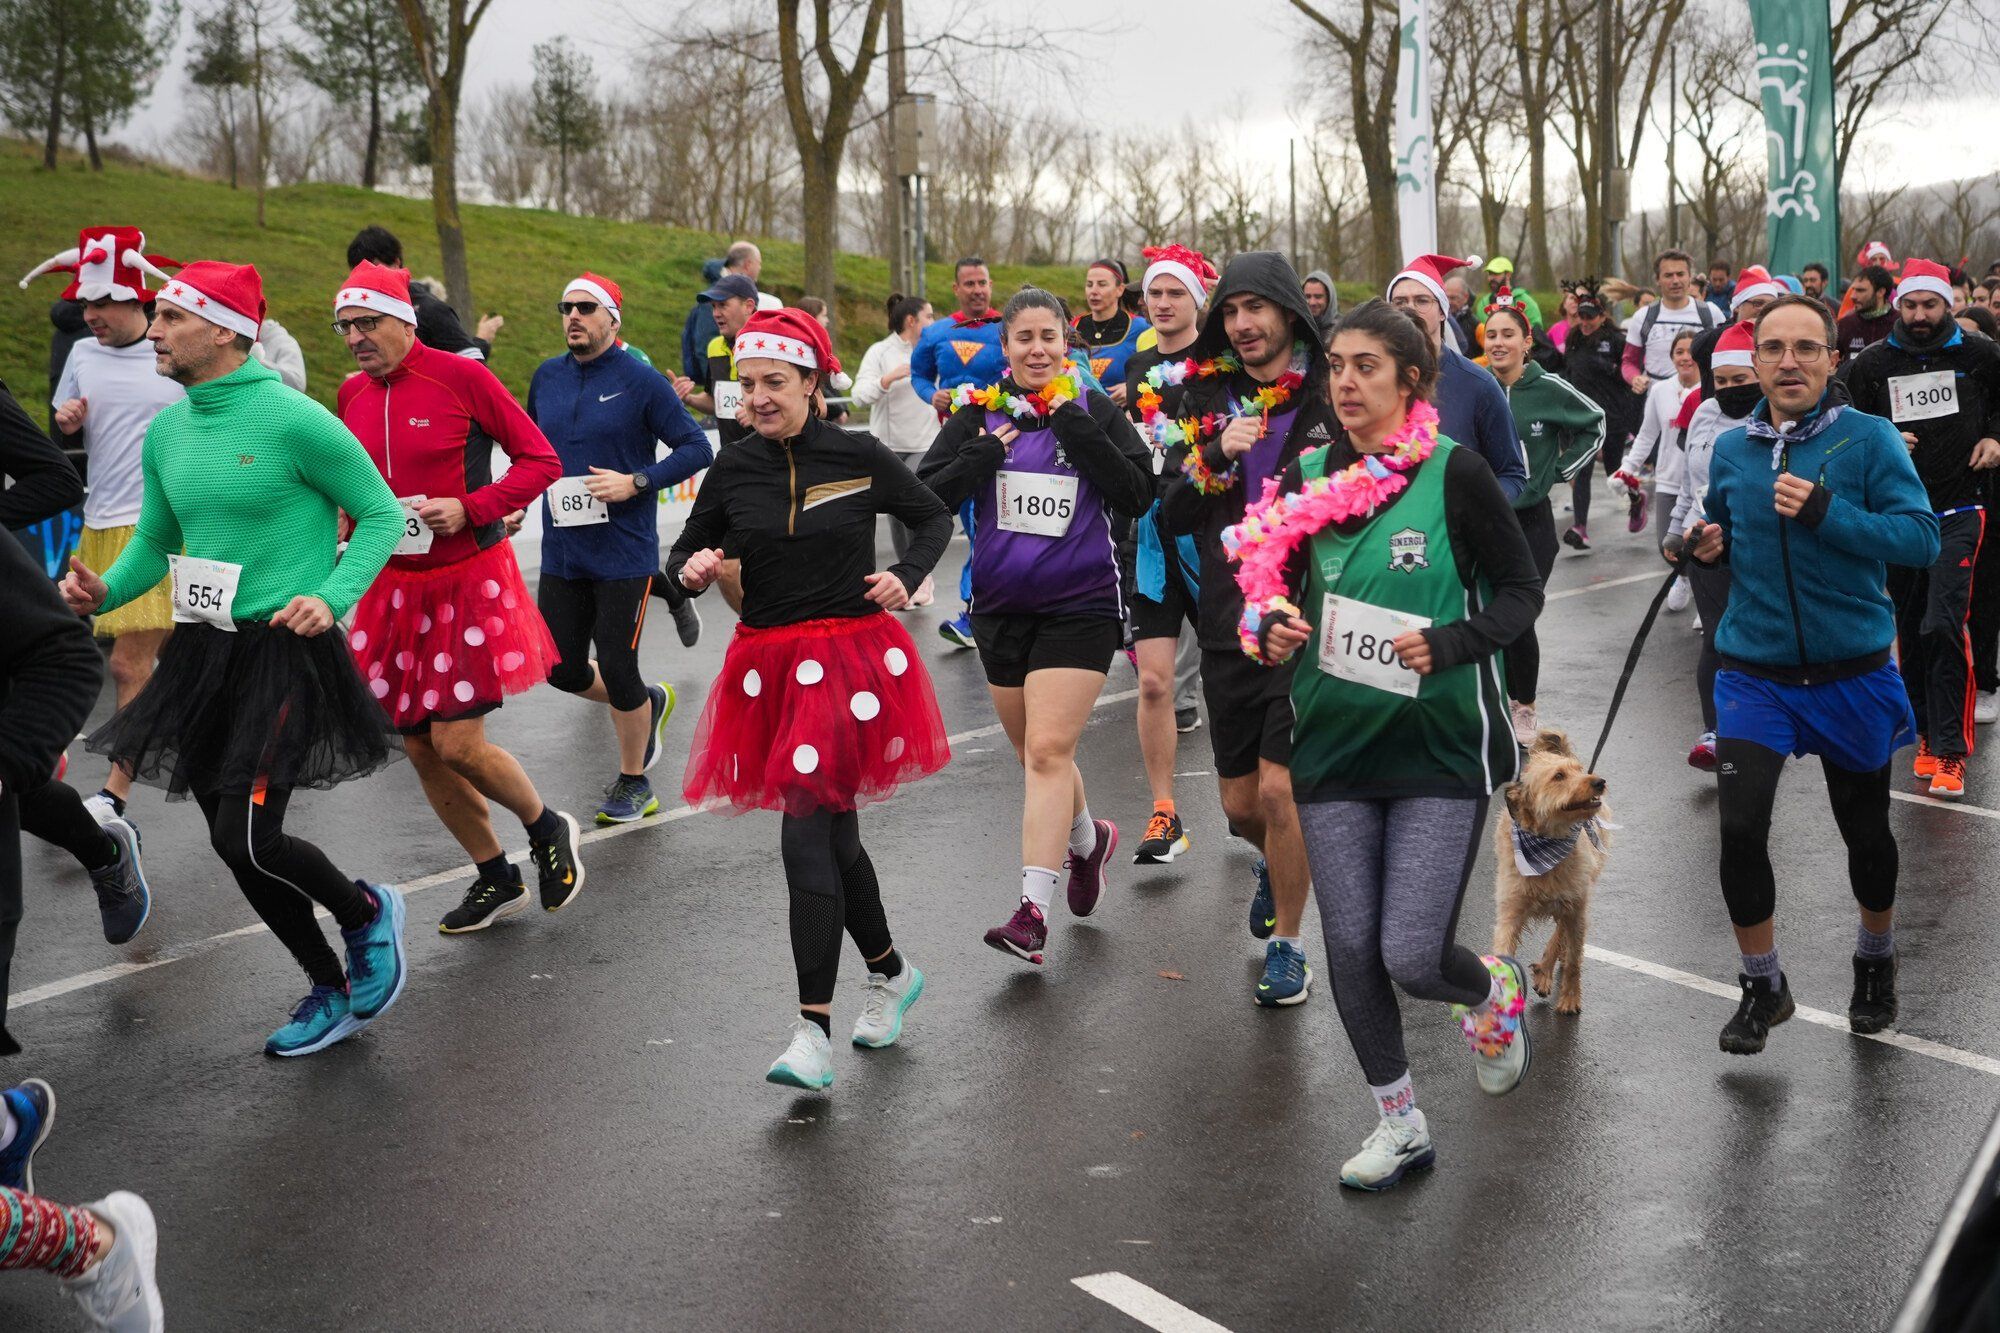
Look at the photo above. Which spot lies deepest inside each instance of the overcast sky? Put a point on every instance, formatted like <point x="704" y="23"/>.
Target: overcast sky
<point x="1941" y="139"/>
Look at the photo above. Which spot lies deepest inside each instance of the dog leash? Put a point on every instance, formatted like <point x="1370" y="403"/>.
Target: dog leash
<point x="1632" y="657"/>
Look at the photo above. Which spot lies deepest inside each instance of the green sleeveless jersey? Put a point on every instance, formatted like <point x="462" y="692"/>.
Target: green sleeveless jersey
<point x="1364" y="725"/>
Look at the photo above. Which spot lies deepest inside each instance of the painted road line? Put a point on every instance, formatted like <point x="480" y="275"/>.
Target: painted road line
<point x="1149" y="1307"/>
<point x="1602" y="584"/>
<point x="99" y="976"/>
<point x="1951" y="1055"/>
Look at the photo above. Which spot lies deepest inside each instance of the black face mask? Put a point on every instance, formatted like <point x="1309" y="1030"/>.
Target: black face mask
<point x="1738" y="401"/>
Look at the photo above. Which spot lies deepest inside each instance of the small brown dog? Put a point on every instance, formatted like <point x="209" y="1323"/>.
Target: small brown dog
<point x="1550" y="846"/>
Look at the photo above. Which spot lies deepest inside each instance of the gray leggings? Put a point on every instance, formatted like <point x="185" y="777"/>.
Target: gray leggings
<point x="1389" y="876"/>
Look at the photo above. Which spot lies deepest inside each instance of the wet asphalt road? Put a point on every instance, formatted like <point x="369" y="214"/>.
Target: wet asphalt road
<point x="563" y="1122"/>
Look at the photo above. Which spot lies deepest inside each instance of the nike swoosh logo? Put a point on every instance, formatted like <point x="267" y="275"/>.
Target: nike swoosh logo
<point x="1270" y="921"/>
<point x="607" y="397"/>
<point x="569" y="877"/>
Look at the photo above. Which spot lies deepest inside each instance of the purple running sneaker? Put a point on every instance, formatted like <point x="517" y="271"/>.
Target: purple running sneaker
<point x="1086" y="877"/>
<point x="1024" y="935"/>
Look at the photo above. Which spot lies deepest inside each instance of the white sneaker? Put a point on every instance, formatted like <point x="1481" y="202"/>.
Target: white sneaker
<point x="925" y="594"/>
<point x="883" y="1004"/>
<point x="1694" y="624"/>
<point x="1986" y="708"/>
<point x="808" y="1062"/>
<point x="1525" y="722"/>
<point x="119" y="1295"/>
<point x="100" y="807"/>
<point x="1677" y="596"/>
<point x="1399" y="1145"/>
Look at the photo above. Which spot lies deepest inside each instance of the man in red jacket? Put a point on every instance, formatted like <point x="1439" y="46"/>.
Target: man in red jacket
<point x="449" y="629"/>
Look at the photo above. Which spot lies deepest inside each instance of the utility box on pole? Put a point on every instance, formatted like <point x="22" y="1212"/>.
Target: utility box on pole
<point x="915" y="154"/>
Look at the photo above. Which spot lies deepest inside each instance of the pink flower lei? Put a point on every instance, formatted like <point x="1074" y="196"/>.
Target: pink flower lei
<point x="1262" y="544"/>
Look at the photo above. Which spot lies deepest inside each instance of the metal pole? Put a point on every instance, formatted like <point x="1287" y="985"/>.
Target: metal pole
<point x="917" y="252"/>
<point x="1607" y="136"/>
<point x="1673" y="133"/>
<point x="1292" y="150"/>
<point x="899" y="218"/>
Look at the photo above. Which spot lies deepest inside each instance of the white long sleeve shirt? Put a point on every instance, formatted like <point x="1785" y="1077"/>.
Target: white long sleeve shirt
<point x="1656" y="429"/>
<point x="896" y="416"/>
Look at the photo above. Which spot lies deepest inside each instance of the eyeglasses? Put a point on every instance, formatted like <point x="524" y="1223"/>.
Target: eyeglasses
<point x="366" y="323"/>
<point x="1805" y="353"/>
<point x="576" y="307"/>
<point x="1421" y="301"/>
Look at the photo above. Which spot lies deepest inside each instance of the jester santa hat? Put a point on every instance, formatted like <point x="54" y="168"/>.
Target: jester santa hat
<point x="108" y="263"/>
<point x="828" y="713"/>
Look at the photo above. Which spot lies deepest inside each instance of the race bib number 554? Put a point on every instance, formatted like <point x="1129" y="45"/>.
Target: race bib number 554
<point x="1356" y="642"/>
<point x="204" y="590"/>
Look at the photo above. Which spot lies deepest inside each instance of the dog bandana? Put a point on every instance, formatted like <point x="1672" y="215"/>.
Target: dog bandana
<point x="1535" y="855"/>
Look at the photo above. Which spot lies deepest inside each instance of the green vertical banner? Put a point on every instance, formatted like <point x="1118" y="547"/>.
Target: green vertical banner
<point x="1795" y="84"/>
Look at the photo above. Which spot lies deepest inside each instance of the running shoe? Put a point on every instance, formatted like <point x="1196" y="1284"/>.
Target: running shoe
<point x="558" y="868"/>
<point x="1986" y="708"/>
<point x="1499" y="1042"/>
<point x="1186" y="720"/>
<point x="1086" y="877"/>
<point x="1025" y="935"/>
<point x="1165" y="839"/>
<point x="627" y="801"/>
<point x="1132" y="657"/>
<point x="1679" y="595"/>
<point x="324" y="1017"/>
<point x="1399" y="1145"/>
<point x="377" y="966"/>
<point x="925" y="594"/>
<point x="884" y="1001"/>
<point x="1925" y="767"/>
<point x="1948" y="783"/>
<point x="687" y="623"/>
<point x="1872" y="1007"/>
<point x="34" y="1106"/>
<point x="808" y="1062"/>
<point x="663" y="699"/>
<point x="958" y="631"/>
<point x="119" y="1293"/>
<point x="487" y="901"/>
<point x="123" y="900"/>
<point x="1694" y="624"/>
<point x="1263" y="907"/>
<point x="62" y="765"/>
<point x="1760" y="1010"/>
<point x="101" y="806"/>
<point x="1287" y="980"/>
<point x="1526" y="724"/>
<point x="1635" y="514"/>
<point x="1577" y="538"/>
<point x="1702" y="756"/>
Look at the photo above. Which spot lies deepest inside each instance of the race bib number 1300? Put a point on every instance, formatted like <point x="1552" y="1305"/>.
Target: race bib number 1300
<point x="1356" y="643"/>
<point x="204" y="590"/>
<point x="1921" y="397"/>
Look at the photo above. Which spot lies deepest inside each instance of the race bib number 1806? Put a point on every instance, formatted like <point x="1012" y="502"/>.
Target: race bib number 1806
<point x="1355" y="643"/>
<point x="1921" y="397"/>
<point x="204" y="590"/>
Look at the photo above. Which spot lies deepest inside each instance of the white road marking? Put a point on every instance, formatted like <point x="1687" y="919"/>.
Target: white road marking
<point x="99" y="976"/>
<point x="1149" y="1307"/>
<point x="1602" y="584"/>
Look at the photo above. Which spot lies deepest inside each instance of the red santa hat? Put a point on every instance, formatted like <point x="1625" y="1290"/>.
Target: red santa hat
<point x="600" y="289"/>
<point x="1753" y="282"/>
<point x="230" y="296"/>
<point x="1190" y="267"/>
<point x="1878" y="254"/>
<point x="1921" y="275"/>
<point x="788" y="335"/>
<point x="109" y="263"/>
<point x="1431" y="271"/>
<point x="379" y="288"/>
<point x="1735" y="347"/>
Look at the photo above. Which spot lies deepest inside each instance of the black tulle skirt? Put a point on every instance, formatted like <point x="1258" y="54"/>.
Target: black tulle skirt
<point x="228" y="712"/>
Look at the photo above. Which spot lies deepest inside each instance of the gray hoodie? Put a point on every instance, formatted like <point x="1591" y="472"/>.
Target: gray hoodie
<point x="1332" y="315"/>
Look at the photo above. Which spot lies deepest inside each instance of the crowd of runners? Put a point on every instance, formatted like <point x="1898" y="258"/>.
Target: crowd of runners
<point x="1329" y="532"/>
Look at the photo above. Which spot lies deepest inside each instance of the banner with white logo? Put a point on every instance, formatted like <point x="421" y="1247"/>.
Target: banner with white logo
<point x="1416" y="159"/>
<point x="1795" y="84"/>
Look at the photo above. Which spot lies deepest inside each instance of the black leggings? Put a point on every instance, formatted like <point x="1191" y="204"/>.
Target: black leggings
<point x="609" y="613"/>
<point x="283" y="877"/>
<point x="1747" y="784"/>
<point x="1524" y="655"/>
<point x="1710" y="585"/>
<point x="832" y="884"/>
<point x="54" y="813"/>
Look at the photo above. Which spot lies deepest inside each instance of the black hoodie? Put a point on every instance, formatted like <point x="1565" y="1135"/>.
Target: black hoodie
<point x="1943" y="451"/>
<point x="1184" y="509"/>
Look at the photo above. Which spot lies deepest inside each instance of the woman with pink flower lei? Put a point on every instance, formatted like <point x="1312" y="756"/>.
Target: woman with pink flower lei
<point x="1392" y="559"/>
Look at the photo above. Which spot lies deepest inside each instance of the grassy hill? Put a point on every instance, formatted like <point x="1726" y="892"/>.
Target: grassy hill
<point x="518" y="259"/>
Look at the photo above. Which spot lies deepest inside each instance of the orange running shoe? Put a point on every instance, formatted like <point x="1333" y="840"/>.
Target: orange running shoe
<point x="1948" y="783"/>
<point x="1927" y="763"/>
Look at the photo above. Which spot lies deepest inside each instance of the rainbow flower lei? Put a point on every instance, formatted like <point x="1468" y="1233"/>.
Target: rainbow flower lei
<point x="1275" y="526"/>
<point x="1194" y="432"/>
<point x="1007" y="399"/>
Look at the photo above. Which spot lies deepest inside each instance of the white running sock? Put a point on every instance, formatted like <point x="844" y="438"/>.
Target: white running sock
<point x="1038" y="886"/>
<point x="1397" y="1099"/>
<point x="1082" y="834"/>
<point x="1292" y="940"/>
<point x="9" y="1127"/>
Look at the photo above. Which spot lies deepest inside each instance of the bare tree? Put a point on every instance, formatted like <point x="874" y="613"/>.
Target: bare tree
<point x="1365" y="50"/>
<point x="440" y="34"/>
<point x="1542" y="31"/>
<point x="1875" y="46"/>
<point x="506" y="159"/>
<point x="1718" y="114"/>
<point x="1478" y="116"/>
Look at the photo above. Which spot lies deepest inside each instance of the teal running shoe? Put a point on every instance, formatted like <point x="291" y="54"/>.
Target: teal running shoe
<point x="376" y="964"/>
<point x="324" y="1017"/>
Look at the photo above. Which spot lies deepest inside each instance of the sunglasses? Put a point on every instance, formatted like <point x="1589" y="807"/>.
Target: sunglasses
<point x="366" y="323"/>
<point x="576" y="307"/>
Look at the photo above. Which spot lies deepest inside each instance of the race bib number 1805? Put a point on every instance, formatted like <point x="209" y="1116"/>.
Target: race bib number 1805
<point x="204" y="590"/>
<point x="1038" y="502"/>
<point x="1355" y="643"/>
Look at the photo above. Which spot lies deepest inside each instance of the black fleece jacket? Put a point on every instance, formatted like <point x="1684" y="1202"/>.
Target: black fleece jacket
<point x="1944" y="444"/>
<point x="44" y="481"/>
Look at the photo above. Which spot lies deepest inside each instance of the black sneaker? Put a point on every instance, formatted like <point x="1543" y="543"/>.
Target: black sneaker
<point x="1165" y="839"/>
<point x="1873" y="1007"/>
<point x="557" y="865"/>
<point x="687" y="621"/>
<point x="1577" y="538"/>
<point x="1760" y="1011"/>
<point x="1186" y="720"/>
<point x="485" y="902"/>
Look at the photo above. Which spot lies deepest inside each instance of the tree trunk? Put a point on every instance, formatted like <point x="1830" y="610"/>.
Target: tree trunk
<point x="819" y="193"/>
<point x="1538" y="199"/>
<point x="90" y="141"/>
<point x="374" y="152"/>
<point x="56" y="102"/>
<point x="562" y="177"/>
<point x="444" y="202"/>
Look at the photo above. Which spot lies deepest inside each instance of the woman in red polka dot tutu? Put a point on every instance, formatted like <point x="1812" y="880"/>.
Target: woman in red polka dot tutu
<point x="823" y="704"/>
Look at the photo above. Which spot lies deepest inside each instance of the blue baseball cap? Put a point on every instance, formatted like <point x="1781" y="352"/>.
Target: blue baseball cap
<point x="730" y="285"/>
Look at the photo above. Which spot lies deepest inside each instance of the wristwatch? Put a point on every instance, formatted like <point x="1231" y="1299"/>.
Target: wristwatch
<point x="642" y="481"/>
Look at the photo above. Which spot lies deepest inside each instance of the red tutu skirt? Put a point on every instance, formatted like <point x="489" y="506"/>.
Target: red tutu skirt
<point x="441" y="643"/>
<point x="826" y="714"/>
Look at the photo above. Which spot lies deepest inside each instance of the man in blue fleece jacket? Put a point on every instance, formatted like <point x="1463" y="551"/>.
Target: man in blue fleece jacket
<point x="1808" y="502"/>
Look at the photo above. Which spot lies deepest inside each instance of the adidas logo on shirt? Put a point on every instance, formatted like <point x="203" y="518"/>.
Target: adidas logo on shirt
<point x="1319" y="432"/>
